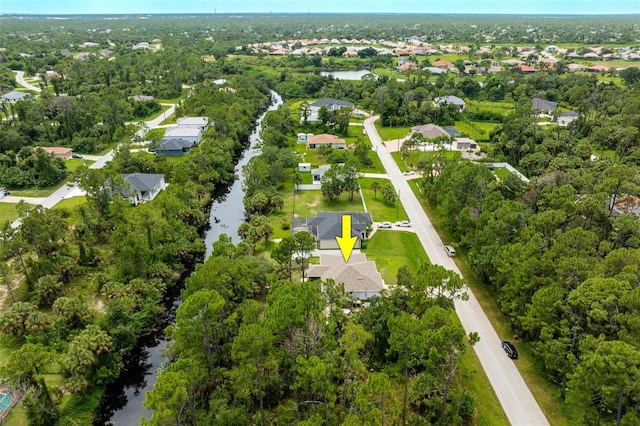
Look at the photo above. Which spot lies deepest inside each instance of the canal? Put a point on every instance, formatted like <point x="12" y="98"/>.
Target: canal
<point x="122" y="403"/>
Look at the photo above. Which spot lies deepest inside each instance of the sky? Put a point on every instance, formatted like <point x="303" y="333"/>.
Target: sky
<point x="553" y="7"/>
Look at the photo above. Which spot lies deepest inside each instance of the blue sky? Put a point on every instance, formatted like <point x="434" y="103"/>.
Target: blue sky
<point x="324" y="6"/>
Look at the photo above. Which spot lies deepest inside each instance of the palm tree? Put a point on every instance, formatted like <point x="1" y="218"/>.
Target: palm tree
<point x="375" y="187"/>
<point x="305" y="111"/>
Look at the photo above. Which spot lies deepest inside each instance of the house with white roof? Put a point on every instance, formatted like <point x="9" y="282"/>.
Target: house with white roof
<point x="193" y="122"/>
<point x="190" y="134"/>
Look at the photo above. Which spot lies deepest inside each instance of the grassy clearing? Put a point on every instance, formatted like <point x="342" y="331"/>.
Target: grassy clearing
<point x="407" y="250"/>
<point x="73" y="163"/>
<point x="154" y="135"/>
<point x="380" y="212"/>
<point x="544" y="392"/>
<point x="70" y="203"/>
<point x="501" y="173"/>
<point x="8" y="212"/>
<point x="476" y="130"/>
<point x="392" y="133"/>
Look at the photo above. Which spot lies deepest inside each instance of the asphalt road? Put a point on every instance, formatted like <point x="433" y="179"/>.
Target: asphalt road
<point x="514" y="395"/>
<point x="20" y="79"/>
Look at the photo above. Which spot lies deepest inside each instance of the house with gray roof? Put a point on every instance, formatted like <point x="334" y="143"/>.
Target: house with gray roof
<point x="450" y="100"/>
<point x="542" y="106"/>
<point x="326" y="226"/>
<point x="14" y="96"/>
<point x="144" y="187"/>
<point x="330" y="103"/>
<point x="430" y="131"/>
<point x="173" y="147"/>
<point x="360" y="276"/>
<point x="436" y="70"/>
<point x="564" y="118"/>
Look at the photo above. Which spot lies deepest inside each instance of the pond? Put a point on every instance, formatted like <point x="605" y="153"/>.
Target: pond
<point x="347" y="75"/>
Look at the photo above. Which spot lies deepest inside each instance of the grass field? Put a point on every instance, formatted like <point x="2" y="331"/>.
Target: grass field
<point x="391" y="133"/>
<point x="476" y="130"/>
<point x="407" y="250"/>
<point x="8" y="212"/>
<point x="70" y="203"/>
<point x="501" y="172"/>
<point x="380" y="212"/>
<point x="501" y="107"/>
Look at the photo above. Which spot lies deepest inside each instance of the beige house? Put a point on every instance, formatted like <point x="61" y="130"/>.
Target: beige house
<point x="430" y="131"/>
<point x="360" y="276"/>
<point x="325" y="139"/>
<point x="58" y="152"/>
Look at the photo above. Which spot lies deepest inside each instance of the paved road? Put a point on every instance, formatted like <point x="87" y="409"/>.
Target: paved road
<point x="20" y="79"/>
<point x="72" y="190"/>
<point x="514" y="395"/>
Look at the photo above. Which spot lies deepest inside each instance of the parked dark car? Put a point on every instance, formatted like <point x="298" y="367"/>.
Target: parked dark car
<point x="76" y="156"/>
<point x="511" y="350"/>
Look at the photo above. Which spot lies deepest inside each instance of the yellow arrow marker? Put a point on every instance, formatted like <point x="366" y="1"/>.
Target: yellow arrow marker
<point x="346" y="242"/>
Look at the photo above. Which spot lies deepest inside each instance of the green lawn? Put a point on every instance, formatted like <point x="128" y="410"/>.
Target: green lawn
<point x="407" y="250"/>
<point x="8" y="212"/>
<point x="416" y="156"/>
<point x="70" y="203"/>
<point x="380" y="212"/>
<point x="391" y="133"/>
<point x="154" y="135"/>
<point x="73" y="163"/>
<point x="544" y="392"/>
<point x="477" y="130"/>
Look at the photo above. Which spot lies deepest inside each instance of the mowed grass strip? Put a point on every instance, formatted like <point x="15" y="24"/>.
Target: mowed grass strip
<point x="8" y="212"/>
<point x="392" y="249"/>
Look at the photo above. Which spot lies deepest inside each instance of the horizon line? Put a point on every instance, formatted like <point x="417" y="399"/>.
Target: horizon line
<point x="621" y="14"/>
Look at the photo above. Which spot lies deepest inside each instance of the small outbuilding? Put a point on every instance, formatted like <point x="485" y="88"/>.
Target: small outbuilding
<point x="304" y="167"/>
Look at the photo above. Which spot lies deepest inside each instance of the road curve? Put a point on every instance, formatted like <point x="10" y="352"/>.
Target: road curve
<point x="20" y="79"/>
<point x="517" y="401"/>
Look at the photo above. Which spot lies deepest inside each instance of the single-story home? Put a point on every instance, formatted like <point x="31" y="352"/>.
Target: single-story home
<point x="436" y="70"/>
<point x="174" y="147"/>
<point x="326" y="226"/>
<point x="325" y="139"/>
<point x="193" y="122"/>
<point x="187" y="133"/>
<point x="443" y="64"/>
<point x="464" y="144"/>
<point x="140" y="98"/>
<point x="58" y="151"/>
<point x="408" y="65"/>
<point x="540" y="105"/>
<point x="316" y="174"/>
<point x="450" y="100"/>
<point x="360" y="276"/>
<point x="564" y="118"/>
<point x="330" y="103"/>
<point x="144" y="186"/>
<point x="430" y="131"/>
<point x="576" y="67"/>
<point x="14" y="96"/>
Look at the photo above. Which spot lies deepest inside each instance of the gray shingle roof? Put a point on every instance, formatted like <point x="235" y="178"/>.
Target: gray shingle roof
<point x="542" y="105"/>
<point x="14" y="96"/>
<point x="328" y="225"/>
<point x="359" y="274"/>
<point x="174" y="144"/>
<point x="327" y="102"/>
<point x="449" y="100"/>
<point x="143" y="182"/>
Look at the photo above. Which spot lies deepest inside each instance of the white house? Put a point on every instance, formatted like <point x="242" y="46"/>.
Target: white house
<point x="14" y="96"/>
<point x="450" y="100"/>
<point x="564" y="118"/>
<point x="193" y="122"/>
<point x="360" y="276"/>
<point x="144" y="187"/>
<point x="329" y="103"/>
<point x="186" y="133"/>
<point x="304" y="167"/>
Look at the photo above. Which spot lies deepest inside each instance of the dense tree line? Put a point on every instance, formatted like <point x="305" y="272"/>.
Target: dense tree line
<point x="562" y="260"/>
<point x="84" y="284"/>
<point x="251" y="346"/>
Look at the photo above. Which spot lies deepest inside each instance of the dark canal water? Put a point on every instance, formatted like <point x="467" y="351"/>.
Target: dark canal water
<point x="122" y="403"/>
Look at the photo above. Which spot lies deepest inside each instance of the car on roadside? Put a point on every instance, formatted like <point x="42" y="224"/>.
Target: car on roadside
<point x="451" y="252"/>
<point x="385" y="225"/>
<point x="511" y="350"/>
<point x="404" y="224"/>
<point x="76" y="156"/>
<point x="408" y="173"/>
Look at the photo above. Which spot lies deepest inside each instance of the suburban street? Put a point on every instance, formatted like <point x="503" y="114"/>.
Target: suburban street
<point x="517" y="401"/>
<point x="20" y="79"/>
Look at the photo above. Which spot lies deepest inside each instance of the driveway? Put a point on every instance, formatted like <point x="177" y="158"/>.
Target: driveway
<point x="514" y="395"/>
